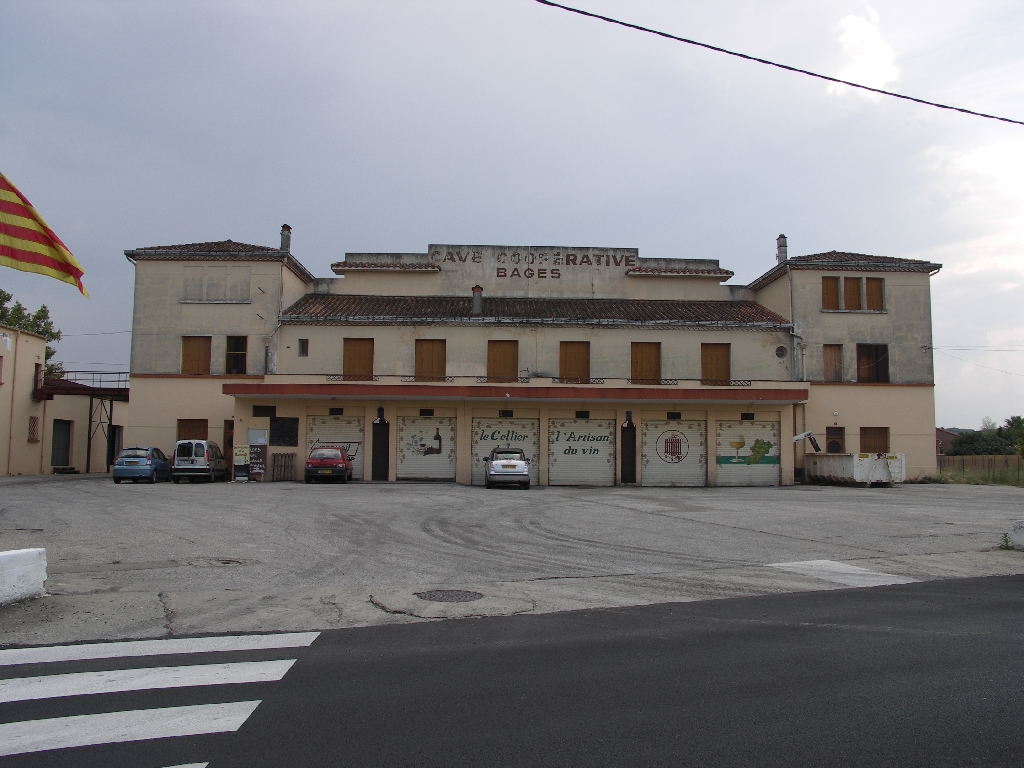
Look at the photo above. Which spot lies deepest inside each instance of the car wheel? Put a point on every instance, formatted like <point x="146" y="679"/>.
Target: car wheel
<point x="309" y="480"/>
<point x="117" y="481"/>
<point x="152" y="478"/>
<point x="344" y="477"/>
<point x="175" y="479"/>
<point x="488" y="484"/>
<point x="526" y="485"/>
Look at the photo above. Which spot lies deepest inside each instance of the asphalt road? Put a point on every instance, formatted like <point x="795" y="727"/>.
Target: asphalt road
<point x="925" y="674"/>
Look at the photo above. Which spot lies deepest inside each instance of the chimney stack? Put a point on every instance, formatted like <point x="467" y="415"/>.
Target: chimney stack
<point x="478" y="300"/>
<point x="286" y="238"/>
<point x="782" y="250"/>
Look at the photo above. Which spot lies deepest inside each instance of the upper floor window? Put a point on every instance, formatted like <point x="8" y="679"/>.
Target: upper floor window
<point x="832" y="355"/>
<point x="830" y="293"/>
<point x="873" y="363"/>
<point x="851" y="294"/>
<point x="715" y="364"/>
<point x="574" y="362"/>
<point x="645" y="362"/>
<point x="430" y="359"/>
<point x="357" y="359"/>
<point x="234" y="359"/>
<point x="195" y="355"/>
<point x="875" y="294"/>
<point x="303" y="347"/>
<point x="502" y="361"/>
<point x="854" y="294"/>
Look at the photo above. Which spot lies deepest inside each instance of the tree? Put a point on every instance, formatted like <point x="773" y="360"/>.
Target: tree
<point x="980" y="444"/>
<point x="1013" y="431"/>
<point x="37" y="322"/>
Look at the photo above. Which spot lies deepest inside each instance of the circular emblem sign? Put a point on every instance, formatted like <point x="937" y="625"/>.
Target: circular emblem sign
<point x="672" y="446"/>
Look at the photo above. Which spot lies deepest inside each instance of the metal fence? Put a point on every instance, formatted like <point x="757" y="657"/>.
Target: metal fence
<point x="1007" y="467"/>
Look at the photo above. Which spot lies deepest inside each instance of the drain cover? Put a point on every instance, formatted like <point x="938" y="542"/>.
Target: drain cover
<point x="449" y="596"/>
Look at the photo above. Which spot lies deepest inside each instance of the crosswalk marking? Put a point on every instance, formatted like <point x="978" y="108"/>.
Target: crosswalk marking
<point x="842" y="573"/>
<point x="114" y="681"/>
<point x="85" y="651"/>
<point x="114" y="727"/>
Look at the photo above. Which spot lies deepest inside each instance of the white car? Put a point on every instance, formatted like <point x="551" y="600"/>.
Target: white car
<point x="507" y="466"/>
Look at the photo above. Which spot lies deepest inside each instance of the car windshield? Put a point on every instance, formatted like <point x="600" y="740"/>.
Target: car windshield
<point x="508" y="456"/>
<point x="134" y="453"/>
<point x="184" y="450"/>
<point x="325" y="453"/>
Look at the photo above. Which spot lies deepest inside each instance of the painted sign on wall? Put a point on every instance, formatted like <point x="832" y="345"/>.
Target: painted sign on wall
<point x="426" y="447"/>
<point x="501" y="433"/>
<point x="748" y="452"/>
<point x="581" y="452"/>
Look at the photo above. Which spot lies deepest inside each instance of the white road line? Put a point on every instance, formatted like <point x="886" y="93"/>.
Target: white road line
<point x="115" y="727"/>
<point x="51" y="653"/>
<point x="117" y="680"/>
<point x="189" y="765"/>
<point x="842" y="573"/>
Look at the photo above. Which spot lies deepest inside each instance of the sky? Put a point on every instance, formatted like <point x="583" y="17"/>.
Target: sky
<point x="386" y="126"/>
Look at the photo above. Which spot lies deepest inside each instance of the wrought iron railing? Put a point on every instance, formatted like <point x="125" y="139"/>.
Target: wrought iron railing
<point x="725" y="382"/>
<point x="98" y="379"/>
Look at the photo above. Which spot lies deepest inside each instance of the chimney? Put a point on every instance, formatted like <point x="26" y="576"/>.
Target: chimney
<point x="782" y="250"/>
<point x="478" y="300"/>
<point x="286" y="238"/>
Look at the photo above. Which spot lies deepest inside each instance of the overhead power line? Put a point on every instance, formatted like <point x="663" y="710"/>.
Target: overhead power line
<point x="776" y="64"/>
<point x="971" y="362"/>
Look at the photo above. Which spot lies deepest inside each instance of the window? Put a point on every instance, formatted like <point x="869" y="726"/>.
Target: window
<point x="674" y="415"/>
<point x="504" y="414"/>
<point x="714" y="364"/>
<point x="873" y="363"/>
<point x="335" y="411"/>
<point x="33" y="429"/>
<point x="747" y="416"/>
<point x="284" y="430"/>
<point x="874" y="439"/>
<point x="357" y="364"/>
<point x="193" y="429"/>
<point x="430" y="359"/>
<point x="1" y="369"/>
<point x="303" y="347"/>
<point x="833" y="358"/>
<point x="582" y="414"/>
<point x="502" y="361"/>
<point x="830" y="293"/>
<point x="851" y="294"/>
<point x="574" y="362"/>
<point x="875" y="294"/>
<point x="645" y="362"/>
<point x="264" y="411"/>
<point x="234" y="361"/>
<point x="195" y="355"/>
<point x="835" y="439"/>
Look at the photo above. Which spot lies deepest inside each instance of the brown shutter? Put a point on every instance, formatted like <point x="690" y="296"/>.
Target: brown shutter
<point x="195" y="355"/>
<point x="574" y="362"/>
<point x="875" y="291"/>
<point x="430" y="359"/>
<point x="874" y="439"/>
<point x="357" y="362"/>
<point x="830" y="293"/>
<point x="502" y="361"/>
<point x="851" y="293"/>
<point x="645" y="362"/>
<point x="193" y="429"/>
<point x="833" y="356"/>
<point x="714" y="363"/>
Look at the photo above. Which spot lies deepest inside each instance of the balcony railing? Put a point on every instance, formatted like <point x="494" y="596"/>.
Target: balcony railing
<point x="725" y="382"/>
<point x="98" y="379"/>
<point x="386" y="378"/>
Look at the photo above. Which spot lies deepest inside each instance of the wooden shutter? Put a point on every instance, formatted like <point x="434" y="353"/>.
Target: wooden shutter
<point x="430" y="359"/>
<point x="873" y="363"/>
<point x="830" y="293"/>
<point x="502" y="361"/>
<point x="357" y="364"/>
<point x="574" y="362"/>
<point x="195" y="355"/>
<point x="193" y="429"/>
<point x="876" y="292"/>
<point x="645" y="362"/>
<point x="833" y="358"/>
<point x="874" y="439"/>
<point x="851" y="293"/>
<point x="714" y="363"/>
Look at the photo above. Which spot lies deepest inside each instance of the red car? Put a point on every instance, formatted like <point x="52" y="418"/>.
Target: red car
<point x="328" y="463"/>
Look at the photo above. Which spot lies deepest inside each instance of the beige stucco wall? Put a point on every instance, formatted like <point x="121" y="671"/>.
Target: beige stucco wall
<point x="17" y="455"/>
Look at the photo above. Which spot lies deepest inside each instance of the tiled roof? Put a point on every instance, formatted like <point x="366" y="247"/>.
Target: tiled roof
<point x="860" y="262"/>
<point x="669" y="271"/>
<point x="341" y="266"/>
<point x="346" y="309"/>
<point x="219" y="246"/>
<point x="220" y="250"/>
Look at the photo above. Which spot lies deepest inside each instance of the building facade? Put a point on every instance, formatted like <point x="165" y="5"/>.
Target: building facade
<point x="605" y="367"/>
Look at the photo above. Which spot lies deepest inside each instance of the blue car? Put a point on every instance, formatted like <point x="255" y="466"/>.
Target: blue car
<point x="147" y="464"/>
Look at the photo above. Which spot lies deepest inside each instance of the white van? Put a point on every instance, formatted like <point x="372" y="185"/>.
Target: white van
<point x="198" y="459"/>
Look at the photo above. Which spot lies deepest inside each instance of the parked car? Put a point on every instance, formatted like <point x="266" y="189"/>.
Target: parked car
<point x="328" y="463"/>
<point x="198" y="459"/>
<point x="149" y="464"/>
<point x="507" y="466"/>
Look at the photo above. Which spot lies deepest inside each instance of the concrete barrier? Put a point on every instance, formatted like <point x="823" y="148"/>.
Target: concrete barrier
<point x="22" y="573"/>
<point x="1018" y="535"/>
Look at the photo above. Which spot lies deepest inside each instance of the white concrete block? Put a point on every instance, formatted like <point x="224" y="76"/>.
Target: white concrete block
<point x="22" y="573"/>
<point x="1018" y="535"/>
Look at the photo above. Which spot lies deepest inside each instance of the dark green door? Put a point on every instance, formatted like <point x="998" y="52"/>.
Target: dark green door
<point x="60" y="451"/>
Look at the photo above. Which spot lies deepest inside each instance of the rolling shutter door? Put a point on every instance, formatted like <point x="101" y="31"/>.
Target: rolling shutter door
<point x="581" y="452"/>
<point x="343" y="431"/>
<point x="499" y="433"/>
<point x="748" y="452"/>
<point x="426" y="448"/>
<point x="675" y="453"/>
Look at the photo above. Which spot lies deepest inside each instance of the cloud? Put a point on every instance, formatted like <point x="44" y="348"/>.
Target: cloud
<point x="870" y="60"/>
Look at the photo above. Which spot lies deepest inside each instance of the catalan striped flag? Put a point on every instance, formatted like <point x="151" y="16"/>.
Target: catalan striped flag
<point x="28" y="244"/>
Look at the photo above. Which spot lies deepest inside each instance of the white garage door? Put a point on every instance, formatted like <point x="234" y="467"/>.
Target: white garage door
<point x="581" y="452"/>
<point x="344" y="431"/>
<point x="502" y="433"/>
<point x="748" y="452"/>
<point x="675" y="453"/>
<point x="426" y="448"/>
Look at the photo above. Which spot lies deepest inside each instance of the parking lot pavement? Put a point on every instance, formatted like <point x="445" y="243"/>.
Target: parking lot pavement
<point x="136" y="561"/>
